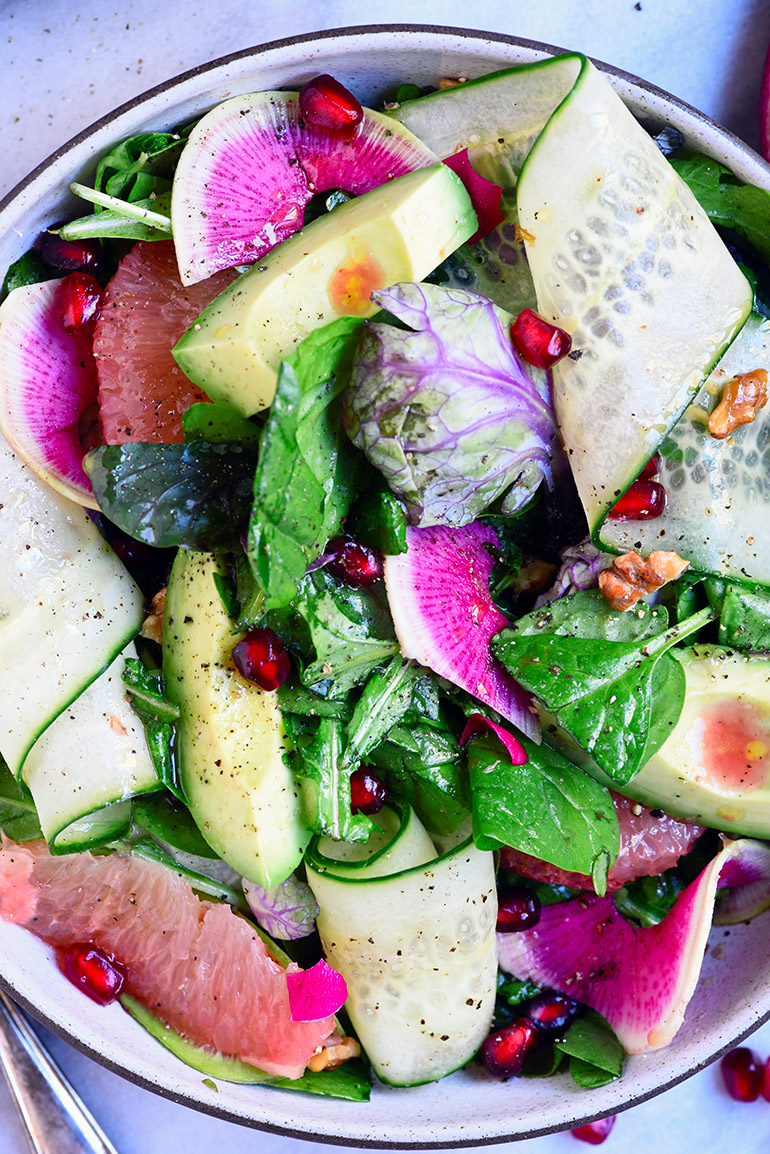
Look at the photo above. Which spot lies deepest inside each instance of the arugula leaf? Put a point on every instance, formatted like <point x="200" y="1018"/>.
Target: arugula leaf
<point x="18" y="816"/>
<point x="145" y="154"/>
<point x="165" y="818"/>
<point x="326" y="788"/>
<point x="196" y="496"/>
<point x="744" y="621"/>
<point x="386" y="697"/>
<point x="351" y="633"/>
<point x="646" y="900"/>
<point x="147" y="219"/>
<point x="600" y="690"/>
<point x="219" y="424"/>
<point x="726" y="200"/>
<point x="308" y="471"/>
<point x="293" y="697"/>
<point x="547" y="807"/>
<point x="157" y="714"/>
<point x="596" y="1056"/>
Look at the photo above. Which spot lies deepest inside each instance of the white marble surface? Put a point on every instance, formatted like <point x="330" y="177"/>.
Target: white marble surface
<point x="64" y="63"/>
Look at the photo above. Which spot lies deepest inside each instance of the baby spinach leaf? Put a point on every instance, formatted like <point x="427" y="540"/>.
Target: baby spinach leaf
<point x="547" y="807"/>
<point x="28" y="269"/>
<point x="307" y="473"/>
<point x="378" y="519"/>
<point x="18" y="816"/>
<point x="424" y="766"/>
<point x="219" y="424"/>
<point x="158" y="715"/>
<point x="744" y="621"/>
<point x="350" y="630"/>
<point x="326" y="788"/>
<point x="600" y="690"/>
<point x="596" y="1056"/>
<point x="196" y="496"/>
<point x="729" y="203"/>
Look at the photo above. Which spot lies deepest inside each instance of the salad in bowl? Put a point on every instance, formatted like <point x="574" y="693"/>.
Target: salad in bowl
<point x="385" y="634"/>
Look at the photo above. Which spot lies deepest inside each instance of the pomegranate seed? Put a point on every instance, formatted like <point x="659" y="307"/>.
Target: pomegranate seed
<point x="506" y="1051"/>
<point x="644" y="501"/>
<point x="551" y="1012"/>
<point x="367" y="793"/>
<point x="743" y="1076"/>
<point x="766" y="1081"/>
<point x="594" y="1133"/>
<point x="70" y="255"/>
<point x="539" y="343"/>
<point x="94" y="972"/>
<point x="354" y="564"/>
<point x="518" y="908"/>
<point x="651" y="469"/>
<point x="325" y="103"/>
<point x="78" y="302"/>
<point x="261" y="657"/>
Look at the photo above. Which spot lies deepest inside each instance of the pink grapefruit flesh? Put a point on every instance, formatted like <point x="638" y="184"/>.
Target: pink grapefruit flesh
<point x="194" y="964"/>
<point x="142" y="391"/>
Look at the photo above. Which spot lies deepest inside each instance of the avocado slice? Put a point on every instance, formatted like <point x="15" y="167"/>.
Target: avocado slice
<point x="715" y="765"/>
<point x="230" y="737"/>
<point x="398" y="232"/>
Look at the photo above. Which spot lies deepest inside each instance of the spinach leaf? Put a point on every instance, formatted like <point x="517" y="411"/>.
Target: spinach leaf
<point x="378" y="520"/>
<point x="18" y="816"/>
<point x="596" y="1056"/>
<point x="157" y="714"/>
<point x="385" y="699"/>
<point x="600" y="690"/>
<point x="726" y="200"/>
<point x="28" y="269"/>
<point x="148" y="154"/>
<point x="425" y="769"/>
<point x="161" y="815"/>
<point x="219" y="424"/>
<point x="196" y="496"/>
<point x="350" y="629"/>
<point x="308" y="470"/>
<point x="744" y="621"/>
<point x="646" y="901"/>
<point x="547" y="807"/>
<point x="326" y="784"/>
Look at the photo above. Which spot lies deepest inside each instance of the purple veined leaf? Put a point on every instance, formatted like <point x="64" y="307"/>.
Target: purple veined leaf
<point x="581" y="565"/>
<point x="287" y="911"/>
<point x="446" y="410"/>
<point x="315" y="993"/>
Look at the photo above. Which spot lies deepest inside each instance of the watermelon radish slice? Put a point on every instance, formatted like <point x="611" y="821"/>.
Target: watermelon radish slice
<point x="315" y="993"/>
<point x="744" y="886"/>
<point x="764" y="109"/>
<point x="485" y="196"/>
<point x="252" y="164"/>
<point x="445" y="618"/>
<point x="47" y="381"/>
<point x="641" y="980"/>
<point x="477" y="723"/>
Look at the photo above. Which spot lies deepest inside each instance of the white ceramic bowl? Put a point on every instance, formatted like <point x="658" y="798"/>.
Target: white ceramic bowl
<point x="733" y="996"/>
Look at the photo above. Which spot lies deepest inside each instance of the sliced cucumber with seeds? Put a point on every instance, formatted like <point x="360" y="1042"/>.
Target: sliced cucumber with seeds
<point x="421" y="977"/>
<point x="717" y="491"/>
<point x="67" y="606"/>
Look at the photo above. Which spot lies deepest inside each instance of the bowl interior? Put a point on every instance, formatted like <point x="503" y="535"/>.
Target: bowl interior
<point x="733" y="996"/>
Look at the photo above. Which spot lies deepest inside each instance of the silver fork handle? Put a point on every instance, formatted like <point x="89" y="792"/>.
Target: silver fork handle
<point x="55" y="1119"/>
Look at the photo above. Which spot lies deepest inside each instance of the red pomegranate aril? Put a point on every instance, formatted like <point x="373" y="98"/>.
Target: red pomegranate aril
<point x="651" y="469"/>
<point x="368" y="793"/>
<point x="551" y="1012"/>
<point x="261" y="657"/>
<point x="325" y="103"/>
<point x="537" y="342"/>
<point x="353" y="563"/>
<point x="594" y="1133"/>
<point x="69" y="255"/>
<point x="518" y="908"/>
<point x="78" y="301"/>
<point x="765" y="1090"/>
<point x="644" y="501"/>
<point x="94" y="971"/>
<point x="743" y="1075"/>
<point x="505" y="1052"/>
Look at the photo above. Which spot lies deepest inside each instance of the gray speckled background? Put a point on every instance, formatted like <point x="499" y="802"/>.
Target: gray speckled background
<point x="65" y="64"/>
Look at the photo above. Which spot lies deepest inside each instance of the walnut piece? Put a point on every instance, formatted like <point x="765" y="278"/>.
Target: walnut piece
<point x="152" y="628"/>
<point x="742" y="398"/>
<point x="337" y="1051"/>
<point x="450" y="82"/>
<point x="631" y="577"/>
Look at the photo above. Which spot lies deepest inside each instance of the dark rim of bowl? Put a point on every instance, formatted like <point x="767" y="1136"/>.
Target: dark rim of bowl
<point x="104" y="121"/>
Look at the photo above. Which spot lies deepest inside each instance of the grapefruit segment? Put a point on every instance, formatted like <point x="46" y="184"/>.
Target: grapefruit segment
<point x="197" y="965"/>
<point x="142" y="391"/>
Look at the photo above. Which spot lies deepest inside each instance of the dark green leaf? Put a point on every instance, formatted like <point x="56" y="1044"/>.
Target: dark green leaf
<point x="646" y="901"/>
<point x="219" y="425"/>
<point x="437" y="790"/>
<point x="18" y="816"/>
<point x="350" y="630"/>
<point x="158" y="716"/>
<point x="293" y="697"/>
<point x="161" y="815"/>
<point x="596" y="1056"/>
<point x="378" y="519"/>
<point x="307" y="473"/>
<point x="326" y="788"/>
<point x="744" y="622"/>
<point x="196" y="496"/>
<point x="547" y="808"/>
<point x="407" y="92"/>
<point x="600" y="690"/>
<point x="386" y="697"/>
<point x="148" y="153"/>
<point x="741" y="207"/>
<point x="28" y="269"/>
<point x="511" y="993"/>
